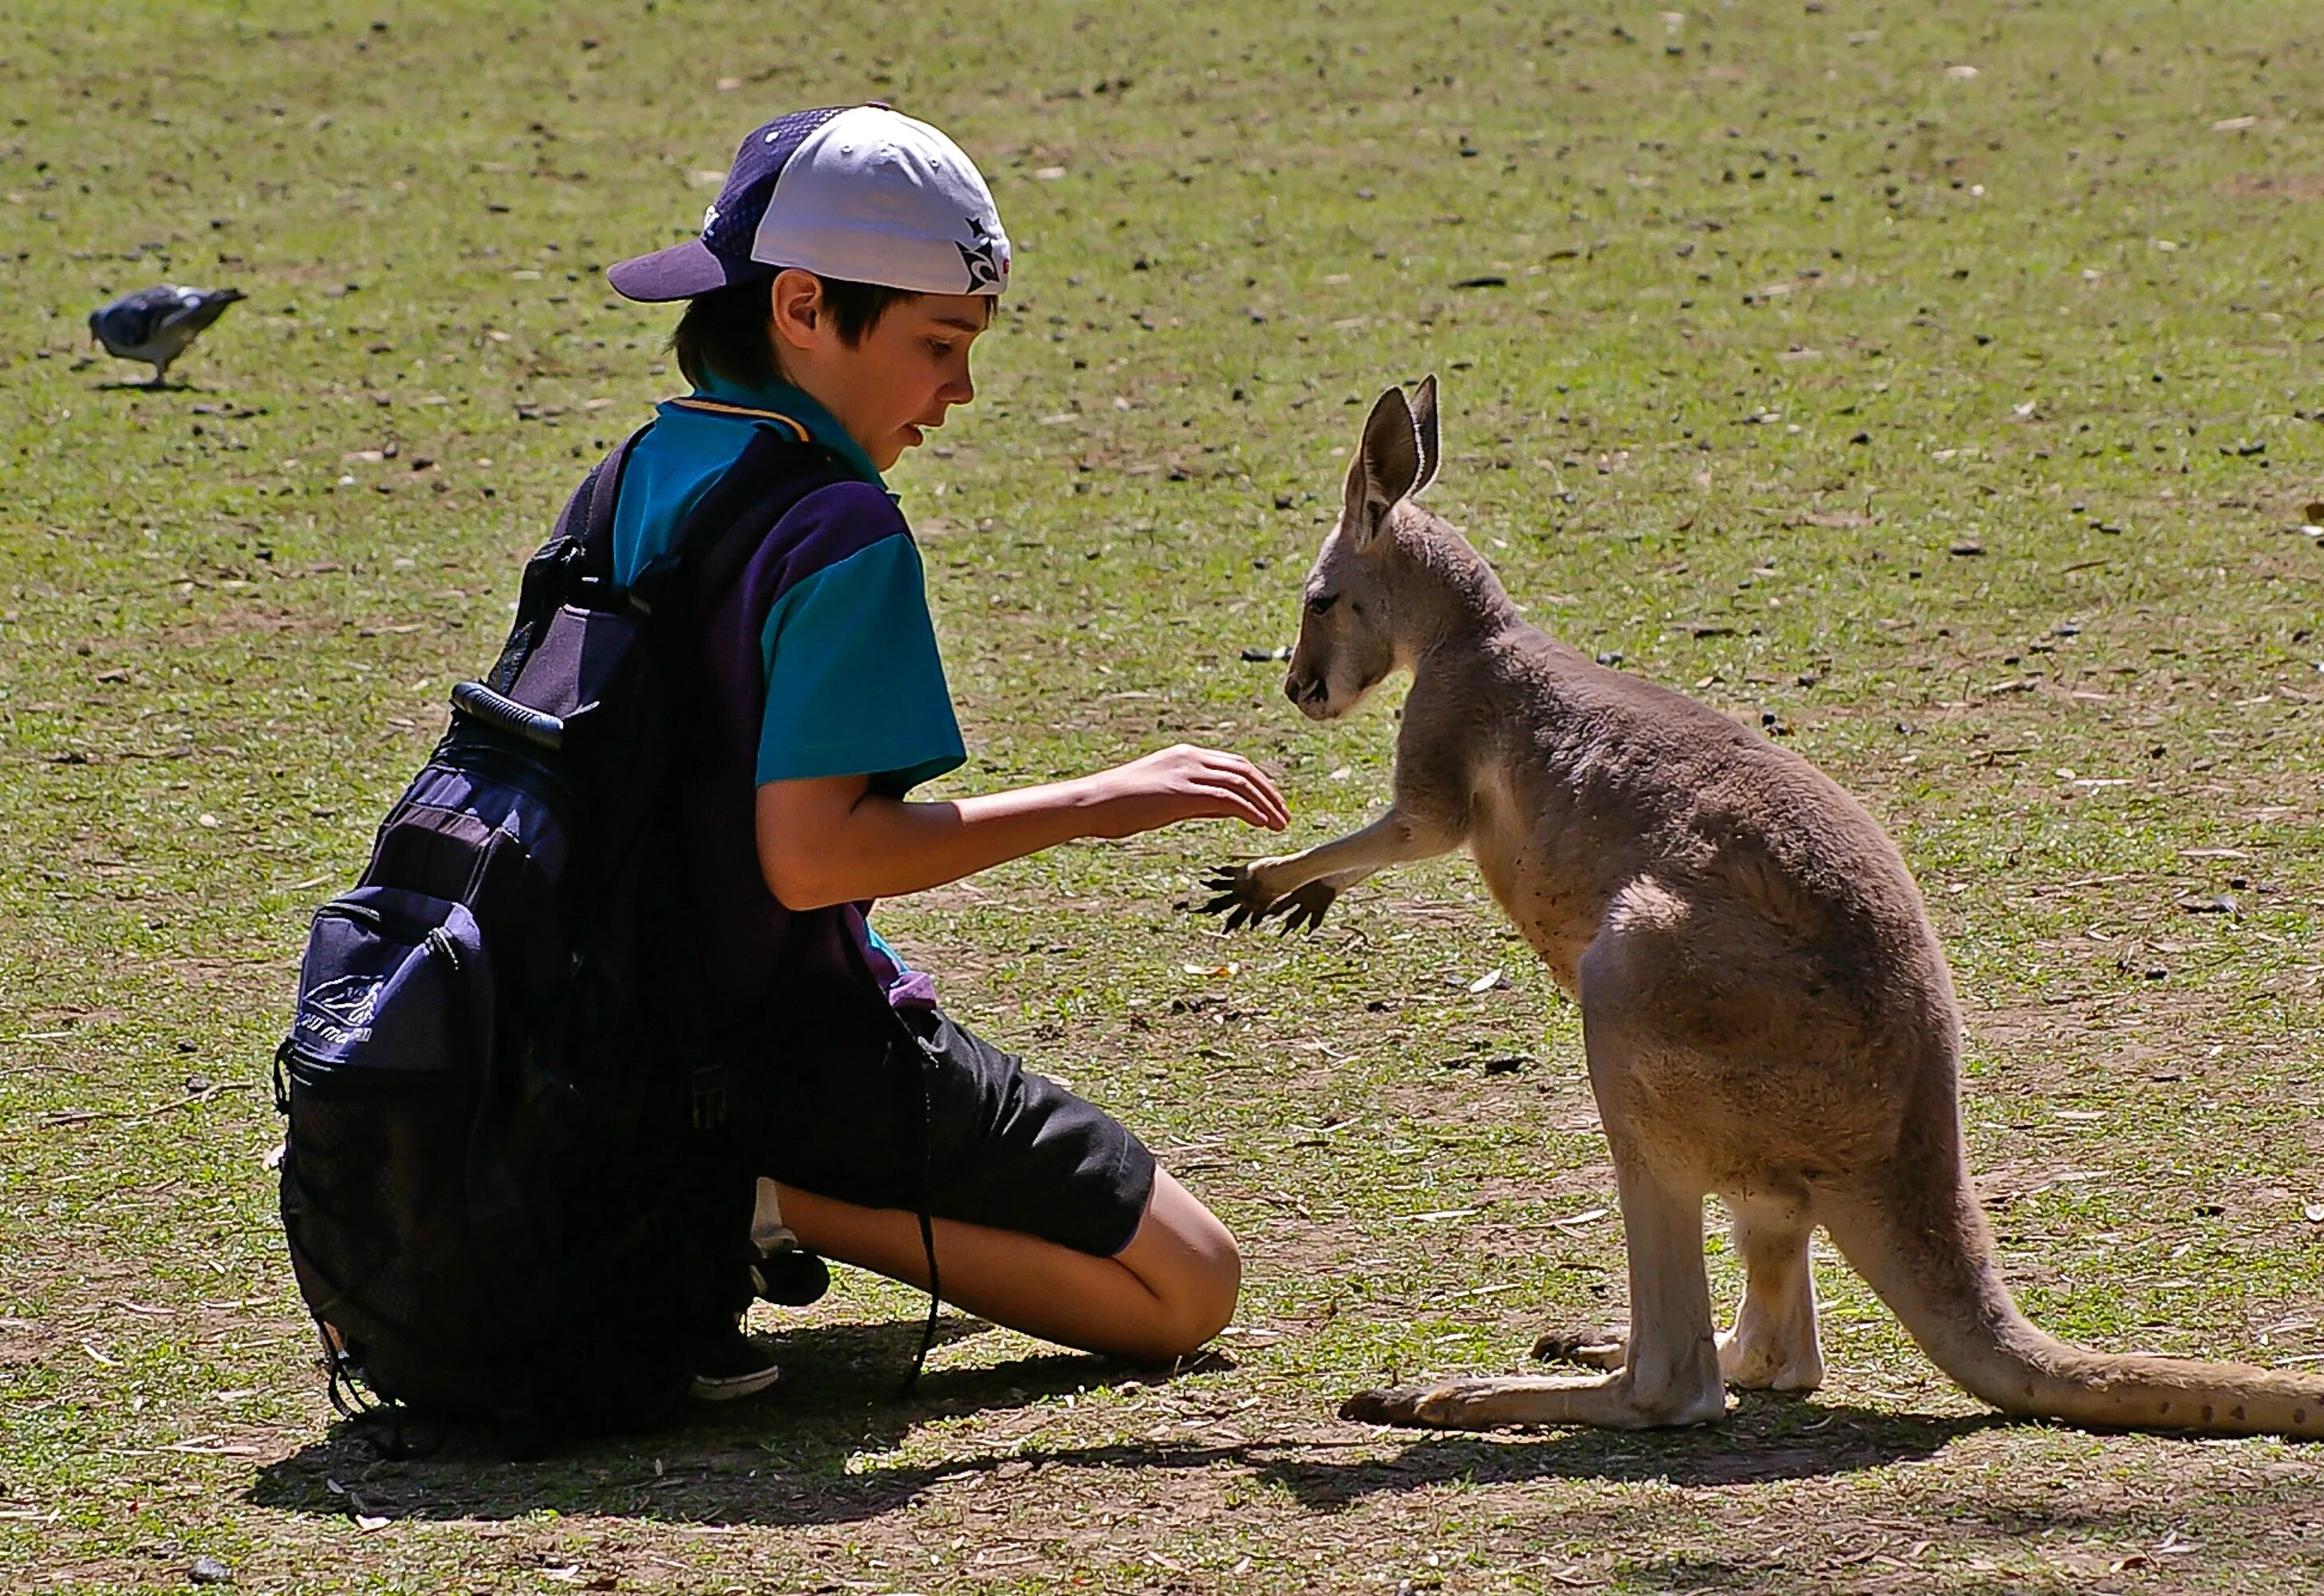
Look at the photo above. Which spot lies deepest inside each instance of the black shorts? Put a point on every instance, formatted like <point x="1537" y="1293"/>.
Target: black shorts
<point x="854" y="1111"/>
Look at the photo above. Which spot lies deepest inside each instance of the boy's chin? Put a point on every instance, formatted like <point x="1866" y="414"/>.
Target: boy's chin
<point x="904" y="437"/>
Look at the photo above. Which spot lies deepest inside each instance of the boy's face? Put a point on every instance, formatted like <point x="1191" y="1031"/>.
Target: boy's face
<point x="888" y="390"/>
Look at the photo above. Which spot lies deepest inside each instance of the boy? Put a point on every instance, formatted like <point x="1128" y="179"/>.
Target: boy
<point x="851" y="261"/>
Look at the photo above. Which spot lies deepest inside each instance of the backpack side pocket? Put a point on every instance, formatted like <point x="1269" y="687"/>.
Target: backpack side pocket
<point x="382" y="1074"/>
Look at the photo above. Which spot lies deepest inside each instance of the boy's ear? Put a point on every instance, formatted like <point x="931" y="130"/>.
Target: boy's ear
<point x="795" y="305"/>
<point x="1424" y="428"/>
<point x="1385" y="467"/>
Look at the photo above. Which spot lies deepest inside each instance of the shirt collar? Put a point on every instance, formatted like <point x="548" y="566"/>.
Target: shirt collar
<point x="802" y="407"/>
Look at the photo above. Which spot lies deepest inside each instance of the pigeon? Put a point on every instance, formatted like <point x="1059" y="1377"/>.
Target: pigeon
<point x="156" y="324"/>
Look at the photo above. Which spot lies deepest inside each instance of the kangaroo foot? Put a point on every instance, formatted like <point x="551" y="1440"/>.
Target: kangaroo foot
<point x="1609" y="1401"/>
<point x="1592" y="1349"/>
<point x="1757" y="1364"/>
<point x="1745" y="1364"/>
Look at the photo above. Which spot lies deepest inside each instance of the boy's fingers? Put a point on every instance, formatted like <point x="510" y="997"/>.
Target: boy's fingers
<point x="1264" y="807"/>
<point x="1218" y="757"/>
<point x="1259" y="783"/>
<point x="1233" y="802"/>
<point x="1220" y="777"/>
<point x="1255" y="780"/>
<point x="1223" y="759"/>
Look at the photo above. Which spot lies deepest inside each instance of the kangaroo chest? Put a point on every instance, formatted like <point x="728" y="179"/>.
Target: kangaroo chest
<point x="1541" y="872"/>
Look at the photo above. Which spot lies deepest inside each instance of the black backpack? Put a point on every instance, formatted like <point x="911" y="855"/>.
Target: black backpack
<point x="508" y="1184"/>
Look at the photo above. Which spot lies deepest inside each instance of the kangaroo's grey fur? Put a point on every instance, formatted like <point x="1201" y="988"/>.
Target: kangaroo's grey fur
<point x="1766" y="1011"/>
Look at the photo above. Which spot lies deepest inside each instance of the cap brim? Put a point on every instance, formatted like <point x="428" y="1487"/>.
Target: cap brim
<point x="680" y="272"/>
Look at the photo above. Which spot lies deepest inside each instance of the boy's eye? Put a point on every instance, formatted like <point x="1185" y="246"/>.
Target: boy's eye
<point x="939" y="348"/>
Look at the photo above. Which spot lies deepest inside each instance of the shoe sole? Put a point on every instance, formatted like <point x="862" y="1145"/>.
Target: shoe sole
<point x="730" y="1387"/>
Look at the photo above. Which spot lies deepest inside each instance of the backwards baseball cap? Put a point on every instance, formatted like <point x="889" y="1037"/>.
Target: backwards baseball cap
<point x="860" y="193"/>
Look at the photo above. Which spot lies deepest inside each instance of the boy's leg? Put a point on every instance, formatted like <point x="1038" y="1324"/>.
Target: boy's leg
<point x="1171" y="1289"/>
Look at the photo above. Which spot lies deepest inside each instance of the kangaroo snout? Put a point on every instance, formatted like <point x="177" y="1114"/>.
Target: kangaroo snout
<point x="1312" y="693"/>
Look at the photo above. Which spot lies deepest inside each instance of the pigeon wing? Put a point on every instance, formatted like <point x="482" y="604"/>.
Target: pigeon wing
<point x="197" y="309"/>
<point x="131" y="321"/>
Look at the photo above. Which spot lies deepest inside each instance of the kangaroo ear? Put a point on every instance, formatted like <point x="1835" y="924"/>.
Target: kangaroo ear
<point x="1387" y="465"/>
<point x="1424" y="426"/>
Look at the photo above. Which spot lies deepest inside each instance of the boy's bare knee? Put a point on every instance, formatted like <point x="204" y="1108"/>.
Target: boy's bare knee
<point x="1190" y="1264"/>
<point x="1204" y="1303"/>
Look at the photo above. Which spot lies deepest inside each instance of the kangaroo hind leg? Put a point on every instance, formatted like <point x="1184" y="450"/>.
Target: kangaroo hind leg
<point x="1670" y="1375"/>
<point x="1773" y="1345"/>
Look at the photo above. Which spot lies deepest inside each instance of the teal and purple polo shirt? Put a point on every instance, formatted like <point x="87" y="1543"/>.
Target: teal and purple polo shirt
<point x="852" y="682"/>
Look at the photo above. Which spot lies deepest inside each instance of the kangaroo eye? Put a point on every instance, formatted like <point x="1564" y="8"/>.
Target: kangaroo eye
<point x="1322" y="602"/>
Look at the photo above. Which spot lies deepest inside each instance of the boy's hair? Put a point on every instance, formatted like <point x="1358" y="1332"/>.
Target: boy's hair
<point x="727" y="331"/>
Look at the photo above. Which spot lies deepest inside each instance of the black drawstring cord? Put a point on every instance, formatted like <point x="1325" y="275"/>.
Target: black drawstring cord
<point x="929" y="1331"/>
<point x="927" y="1225"/>
<point x="379" y="1422"/>
<point x="348" y="1401"/>
<point x="924" y="1054"/>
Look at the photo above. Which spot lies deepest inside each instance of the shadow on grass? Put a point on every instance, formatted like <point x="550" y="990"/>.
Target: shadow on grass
<point x="794" y="1456"/>
<point x="778" y="1459"/>
<point x="1767" y="1439"/>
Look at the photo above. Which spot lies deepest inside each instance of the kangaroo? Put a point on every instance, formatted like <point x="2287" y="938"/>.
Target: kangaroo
<point x="1766" y="1011"/>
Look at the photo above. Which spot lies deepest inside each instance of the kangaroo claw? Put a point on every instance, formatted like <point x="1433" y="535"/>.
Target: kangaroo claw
<point x="1400" y="1406"/>
<point x="1237" y="896"/>
<point x="1245" y="902"/>
<point x="1303" y="911"/>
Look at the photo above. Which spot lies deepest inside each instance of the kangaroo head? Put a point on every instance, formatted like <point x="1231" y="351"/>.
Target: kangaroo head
<point x="1360" y="617"/>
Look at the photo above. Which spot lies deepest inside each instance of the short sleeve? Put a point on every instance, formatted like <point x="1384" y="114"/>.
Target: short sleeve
<point x="855" y="686"/>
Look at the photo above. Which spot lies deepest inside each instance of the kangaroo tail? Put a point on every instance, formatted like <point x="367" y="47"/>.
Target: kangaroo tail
<point x="1925" y="1249"/>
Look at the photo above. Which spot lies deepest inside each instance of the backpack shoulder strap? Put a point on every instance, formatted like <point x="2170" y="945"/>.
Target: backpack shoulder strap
<point x="592" y="507"/>
<point x="761" y="487"/>
<point x="579" y="551"/>
<point x="780" y="465"/>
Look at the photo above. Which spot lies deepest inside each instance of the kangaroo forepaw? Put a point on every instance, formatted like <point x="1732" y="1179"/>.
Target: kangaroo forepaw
<point x="1237" y="894"/>
<point x="1304" y="910"/>
<point x="1240" y="892"/>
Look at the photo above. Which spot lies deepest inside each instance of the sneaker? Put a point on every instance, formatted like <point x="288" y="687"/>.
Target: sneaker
<point x="786" y="1272"/>
<point x="732" y="1366"/>
<point x="791" y="1277"/>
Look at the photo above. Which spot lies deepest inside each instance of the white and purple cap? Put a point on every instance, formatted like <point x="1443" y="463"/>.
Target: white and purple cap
<point x="860" y="193"/>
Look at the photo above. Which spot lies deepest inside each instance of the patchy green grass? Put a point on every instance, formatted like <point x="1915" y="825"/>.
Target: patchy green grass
<point x="1948" y="423"/>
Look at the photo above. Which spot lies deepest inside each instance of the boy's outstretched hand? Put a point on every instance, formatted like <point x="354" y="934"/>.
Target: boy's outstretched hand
<point x="831" y="839"/>
<point x="1181" y="783"/>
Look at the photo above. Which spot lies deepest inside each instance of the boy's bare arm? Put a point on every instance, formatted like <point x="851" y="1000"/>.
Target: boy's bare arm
<point x="830" y="839"/>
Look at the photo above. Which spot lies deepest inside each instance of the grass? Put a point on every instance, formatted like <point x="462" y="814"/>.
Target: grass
<point x="1778" y="314"/>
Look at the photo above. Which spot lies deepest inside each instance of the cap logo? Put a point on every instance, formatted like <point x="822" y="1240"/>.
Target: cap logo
<point x="981" y="260"/>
